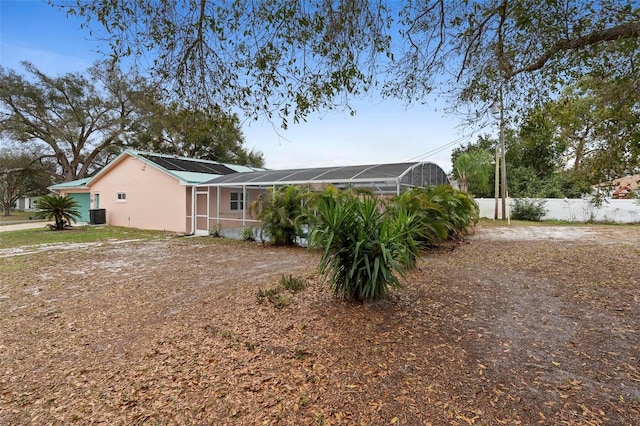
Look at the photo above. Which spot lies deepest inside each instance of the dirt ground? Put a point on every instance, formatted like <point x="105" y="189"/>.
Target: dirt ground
<point x="518" y="325"/>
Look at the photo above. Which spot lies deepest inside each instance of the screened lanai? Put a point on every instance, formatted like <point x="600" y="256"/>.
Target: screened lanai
<point x="225" y="201"/>
<point x="379" y="178"/>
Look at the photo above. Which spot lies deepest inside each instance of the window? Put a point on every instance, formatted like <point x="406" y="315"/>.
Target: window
<point x="121" y="196"/>
<point x="237" y="201"/>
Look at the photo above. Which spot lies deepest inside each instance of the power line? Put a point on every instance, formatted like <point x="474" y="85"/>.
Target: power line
<point x="437" y="150"/>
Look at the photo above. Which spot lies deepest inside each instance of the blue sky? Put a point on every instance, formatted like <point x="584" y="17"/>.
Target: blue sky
<point x="383" y="131"/>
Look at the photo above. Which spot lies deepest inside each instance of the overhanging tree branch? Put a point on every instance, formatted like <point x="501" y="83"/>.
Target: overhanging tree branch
<point x="627" y="31"/>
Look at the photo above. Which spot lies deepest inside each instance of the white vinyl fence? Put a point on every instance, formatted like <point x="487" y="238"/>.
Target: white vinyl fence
<point x="576" y="210"/>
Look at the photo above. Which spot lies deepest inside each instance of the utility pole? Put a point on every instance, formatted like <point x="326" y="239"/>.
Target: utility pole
<point x="496" y="111"/>
<point x="503" y="192"/>
<point x="497" y="181"/>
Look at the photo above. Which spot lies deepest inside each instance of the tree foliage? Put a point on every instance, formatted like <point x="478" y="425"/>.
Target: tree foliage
<point x="473" y="170"/>
<point x="206" y="134"/>
<point x="76" y="119"/>
<point x="291" y="58"/>
<point x="480" y="150"/>
<point x="20" y="176"/>
<point x="82" y="121"/>
<point x="598" y="124"/>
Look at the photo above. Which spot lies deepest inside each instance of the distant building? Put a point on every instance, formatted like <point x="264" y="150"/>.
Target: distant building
<point x="26" y="204"/>
<point x="625" y="187"/>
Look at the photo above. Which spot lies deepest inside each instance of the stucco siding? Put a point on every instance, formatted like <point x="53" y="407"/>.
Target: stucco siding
<point x="137" y="195"/>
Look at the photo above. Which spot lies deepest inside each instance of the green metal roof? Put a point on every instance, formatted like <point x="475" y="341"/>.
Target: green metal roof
<point x="79" y="183"/>
<point x="188" y="171"/>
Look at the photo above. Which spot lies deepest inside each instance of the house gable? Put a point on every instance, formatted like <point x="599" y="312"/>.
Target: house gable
<point x="139" y="196"/>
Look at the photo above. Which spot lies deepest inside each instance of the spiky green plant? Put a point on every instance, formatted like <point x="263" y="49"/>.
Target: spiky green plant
<point x="460" y="210"/>
<point x="430" y="217"/>
<point x="364" y="250"/>
<point x="62" y="210"/>
<point x="282" y="214"/>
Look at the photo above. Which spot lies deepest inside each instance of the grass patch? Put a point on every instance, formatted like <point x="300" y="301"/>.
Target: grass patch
<point x="80" y="234"/>
<point x="293" y="284"/>
<point x="280" y="295"/>
<point x="17" y="217"/>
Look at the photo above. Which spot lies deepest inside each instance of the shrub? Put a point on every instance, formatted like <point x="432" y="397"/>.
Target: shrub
<point x="528" y="210"/>
<point x="293" y="284"/>
<point x="282" y="213"/>
<point x="441" y="212"/>
<point x="248" y="234"/>
<point x="62" y="210"/>
<point x="365" y="250"/>
<point x="459" y="209"/>
<point x="428" y="215"/>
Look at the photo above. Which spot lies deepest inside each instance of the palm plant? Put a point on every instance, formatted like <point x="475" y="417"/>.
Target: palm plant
<point x="282" y="214"/>
<point x="430" y="217"/>
<point x="473" y="169"/>
<point x="364" y="250"/>
<point x="460" y="210"/>
<point x="60" y="209"/>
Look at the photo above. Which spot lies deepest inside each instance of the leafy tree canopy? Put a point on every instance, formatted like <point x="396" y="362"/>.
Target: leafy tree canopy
<point x="290" y="58"/>
<point x="77" y="119"/>
<point x="82" y="120"/>
<point x="597" y="125"/>
<point x="206" y="134"/>
<point x="21" y="176"/>
<point x="472" y="169"/>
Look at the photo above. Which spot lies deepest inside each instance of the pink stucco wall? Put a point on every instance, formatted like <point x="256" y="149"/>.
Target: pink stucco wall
<point x="154" y="200"/>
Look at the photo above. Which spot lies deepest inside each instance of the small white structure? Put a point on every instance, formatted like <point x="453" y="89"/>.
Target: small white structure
<point x="27" y="204"/>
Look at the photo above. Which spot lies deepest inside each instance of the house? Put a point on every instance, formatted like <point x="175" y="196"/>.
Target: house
<point x="184" y="195"/>
<point x="79" y="191"/>
<point x="621" y="188"/>
<point x="626" y="187"/>
<point x="146" y="190"/>
<point x="26" y="204"/>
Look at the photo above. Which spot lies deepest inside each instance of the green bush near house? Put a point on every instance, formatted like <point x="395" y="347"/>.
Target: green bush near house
<point x="248" y="234"/>
<point x="282" y="214"/>
<point x="441" y="212"/>
<point x="459" y="210"/>
<point x="367" y="243"/>
<point x="62" y="210"/>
